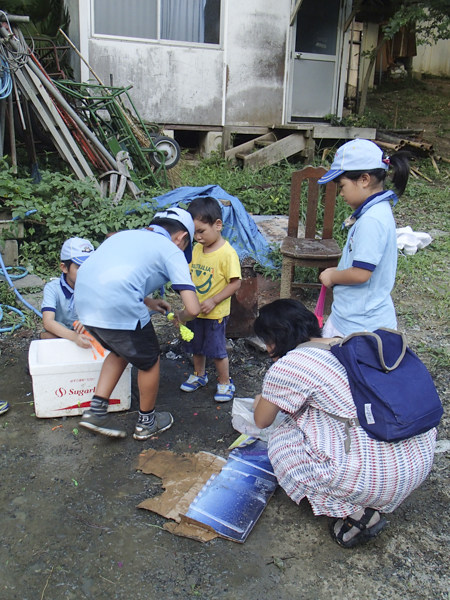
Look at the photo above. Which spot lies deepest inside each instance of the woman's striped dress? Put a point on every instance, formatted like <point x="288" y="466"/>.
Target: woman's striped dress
<point x="307" y="449"/>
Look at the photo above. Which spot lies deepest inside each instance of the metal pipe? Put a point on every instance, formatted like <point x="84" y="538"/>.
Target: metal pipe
<point x="14" y="18"/>
<point x="62" y="102"/>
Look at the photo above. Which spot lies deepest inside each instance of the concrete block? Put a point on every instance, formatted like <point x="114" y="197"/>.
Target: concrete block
<point x="169" y="133"/>
<point x="30" y="281"/>
<point x="209" y="142"/>
<point x="10" y="253"/>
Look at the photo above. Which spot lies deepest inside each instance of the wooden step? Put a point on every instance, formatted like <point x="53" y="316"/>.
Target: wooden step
<point x="263" y="143"/>
<point x="275" y="152"/>
<point x="248" y="147"/>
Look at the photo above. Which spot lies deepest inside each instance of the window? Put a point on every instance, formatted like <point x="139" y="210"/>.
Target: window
<point x="196" y="21"/>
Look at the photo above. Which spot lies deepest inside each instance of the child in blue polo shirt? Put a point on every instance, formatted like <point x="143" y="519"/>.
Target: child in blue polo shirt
<point x="113" y="299"/>
<point x="363" y="280"/>
<point x="58" y="309"/>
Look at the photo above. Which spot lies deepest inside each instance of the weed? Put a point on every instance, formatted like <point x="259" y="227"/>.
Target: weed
<point x="439" y="358"/>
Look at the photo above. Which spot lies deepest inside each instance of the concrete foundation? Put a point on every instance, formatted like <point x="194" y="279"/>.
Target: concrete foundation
<point x="209" y="142"/>
<point x="10" y="253"/>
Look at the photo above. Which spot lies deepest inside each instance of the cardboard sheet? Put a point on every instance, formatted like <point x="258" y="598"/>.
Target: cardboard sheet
<point x="207" y="496"/>
<point x="183" y="476"/>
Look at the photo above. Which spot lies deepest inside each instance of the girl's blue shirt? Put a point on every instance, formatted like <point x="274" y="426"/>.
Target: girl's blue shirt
<point x="371" y="245"/>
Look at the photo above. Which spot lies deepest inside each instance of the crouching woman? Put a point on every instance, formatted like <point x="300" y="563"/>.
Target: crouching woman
<point x="307" y="449"/>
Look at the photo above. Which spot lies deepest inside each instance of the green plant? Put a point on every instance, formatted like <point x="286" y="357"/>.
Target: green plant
<point x="272" y="272"/>
<point x="65" y="207"/>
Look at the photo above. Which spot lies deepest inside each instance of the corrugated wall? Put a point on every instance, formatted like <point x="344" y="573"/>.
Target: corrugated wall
<point x="433" y="59"/>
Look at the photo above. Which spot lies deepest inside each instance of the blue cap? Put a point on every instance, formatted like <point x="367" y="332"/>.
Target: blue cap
<point x="356" y="155"/>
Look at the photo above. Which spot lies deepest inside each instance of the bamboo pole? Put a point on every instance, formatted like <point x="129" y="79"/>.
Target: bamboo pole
<point x="414" y="170"/>
<point x="386" y="145"/>
<point x="446" y="160"/>
<point x="434" y="163"/>
<point x="419" y="145"/>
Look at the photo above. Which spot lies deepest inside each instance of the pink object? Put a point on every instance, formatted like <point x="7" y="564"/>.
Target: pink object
<point x="318" y="311"/>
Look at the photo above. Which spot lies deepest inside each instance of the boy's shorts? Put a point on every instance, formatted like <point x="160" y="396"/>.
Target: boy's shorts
<point x="140" y="347"/>
<point x="209" y="338"/>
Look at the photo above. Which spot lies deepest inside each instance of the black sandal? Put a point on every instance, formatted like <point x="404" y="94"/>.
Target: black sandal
<point x="365" y="534"/>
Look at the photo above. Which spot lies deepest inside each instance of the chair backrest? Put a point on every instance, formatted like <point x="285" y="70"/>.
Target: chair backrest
<point x="312" y="174"/>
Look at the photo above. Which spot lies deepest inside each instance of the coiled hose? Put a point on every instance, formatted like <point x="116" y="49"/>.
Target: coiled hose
<point x="6" y="83"/>
<point x="4" y="272"/>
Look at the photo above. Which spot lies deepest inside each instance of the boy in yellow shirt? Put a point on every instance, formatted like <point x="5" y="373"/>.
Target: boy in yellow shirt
<point x="216" y="273"/>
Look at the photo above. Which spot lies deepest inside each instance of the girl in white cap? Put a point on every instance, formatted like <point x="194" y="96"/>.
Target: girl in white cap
<point x="365" y="276"/>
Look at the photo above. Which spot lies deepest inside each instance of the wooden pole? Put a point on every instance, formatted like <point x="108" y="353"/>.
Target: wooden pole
<point x="72" y="45"/>
<point x="295" y="11"/>
<point x="12" y="134"/>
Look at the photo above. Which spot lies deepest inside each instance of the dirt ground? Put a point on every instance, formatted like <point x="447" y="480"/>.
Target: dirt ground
<point x="70" y="528"/>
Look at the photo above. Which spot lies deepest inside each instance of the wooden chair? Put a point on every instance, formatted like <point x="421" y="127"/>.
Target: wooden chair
<point x="308" y="251"/>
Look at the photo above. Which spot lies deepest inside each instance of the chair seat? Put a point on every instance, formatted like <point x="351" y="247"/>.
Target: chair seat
<point x="310" y="249"/>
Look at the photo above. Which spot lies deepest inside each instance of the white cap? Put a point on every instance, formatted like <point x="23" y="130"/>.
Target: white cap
<point x="356" y="155"/>
<point x="183" y="217"/>
<point x="76" y="249"/>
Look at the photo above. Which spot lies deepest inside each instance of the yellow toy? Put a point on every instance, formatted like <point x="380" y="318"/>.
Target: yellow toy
<point x="185" y="332"/>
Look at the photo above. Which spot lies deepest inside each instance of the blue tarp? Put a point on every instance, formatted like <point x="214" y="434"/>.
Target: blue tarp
<point x="239" y="228"/>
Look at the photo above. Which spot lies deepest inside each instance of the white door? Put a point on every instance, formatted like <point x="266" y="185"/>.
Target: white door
<point x="315" y="59"/>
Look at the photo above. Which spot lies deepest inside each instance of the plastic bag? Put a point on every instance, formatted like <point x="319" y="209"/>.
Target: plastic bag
<point x="318" y="311"/>
<point x="244" y="422"/>
<point x="410" y="241"/>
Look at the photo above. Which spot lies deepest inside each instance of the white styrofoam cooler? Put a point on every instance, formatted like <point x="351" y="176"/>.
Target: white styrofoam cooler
<point x="65" y="377"/>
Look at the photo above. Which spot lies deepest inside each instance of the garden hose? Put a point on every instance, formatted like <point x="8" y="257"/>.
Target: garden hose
<point x="24" y="273"/>
<point x="13" y="327"/>
<point x="11" y="285"/>
<point x="6" y="84"/>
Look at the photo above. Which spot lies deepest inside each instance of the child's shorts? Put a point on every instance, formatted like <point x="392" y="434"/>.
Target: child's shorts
<point x="209" y="338"/>
<point x="140" y="347"/>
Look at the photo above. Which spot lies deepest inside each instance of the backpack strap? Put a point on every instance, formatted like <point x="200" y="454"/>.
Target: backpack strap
<point x="348" y="422"/>
<point x="320" y="345"/>
<point x="380" y="345"/>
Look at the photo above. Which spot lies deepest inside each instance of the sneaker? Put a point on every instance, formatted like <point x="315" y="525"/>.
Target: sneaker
<point x="4" y="406"/>
<point x="163" y="421"/>
<point x="194" y="382"/>
<point x="103" y="425"/>
<point x="225" y="392"/>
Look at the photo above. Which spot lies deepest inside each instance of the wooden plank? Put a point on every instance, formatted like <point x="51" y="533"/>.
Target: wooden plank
<point x="248" y="146"/>
<point x="292" y="144"/>
<point x="343" y="133"/>
<point x="49" y="123"/>
<point x="61" y="124"/>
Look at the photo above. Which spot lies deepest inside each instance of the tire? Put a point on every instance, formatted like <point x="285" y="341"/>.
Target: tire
<point x="170" y="148"/>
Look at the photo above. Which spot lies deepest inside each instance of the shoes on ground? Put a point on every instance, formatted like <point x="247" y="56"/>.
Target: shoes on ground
<point x="225" y="392"/>
<point x="365" y="533"/>
<point x="194" y="382"/>
<point x="103" y="425"/>
<point x="163" y="421"/>
<point x="4" y="406"/>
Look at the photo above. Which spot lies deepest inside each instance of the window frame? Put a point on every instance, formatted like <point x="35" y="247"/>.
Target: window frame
<point x="159" y="41"/>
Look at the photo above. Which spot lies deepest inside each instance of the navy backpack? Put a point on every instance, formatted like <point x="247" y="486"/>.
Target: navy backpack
<point x="393" y="392"/>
